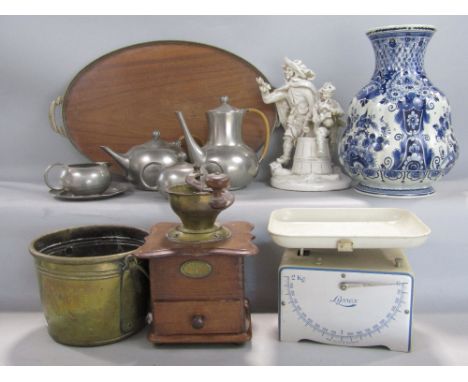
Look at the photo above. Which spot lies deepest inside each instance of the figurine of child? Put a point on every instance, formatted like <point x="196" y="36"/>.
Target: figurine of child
<point x="330" y="113"/>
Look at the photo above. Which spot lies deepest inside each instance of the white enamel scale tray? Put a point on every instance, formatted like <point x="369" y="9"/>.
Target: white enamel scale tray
<point x="346" y="228"/>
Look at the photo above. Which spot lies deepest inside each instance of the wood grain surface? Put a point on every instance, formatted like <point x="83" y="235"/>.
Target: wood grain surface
<point x="119" y="99"/>
<point x="239" y="244"/>
<point x="226" y="280"/>
<point x="232" y="337"/>
<point x="223" y="316"/>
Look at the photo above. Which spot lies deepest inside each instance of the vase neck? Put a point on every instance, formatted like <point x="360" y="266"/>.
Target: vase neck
<point x="399" y="50"/>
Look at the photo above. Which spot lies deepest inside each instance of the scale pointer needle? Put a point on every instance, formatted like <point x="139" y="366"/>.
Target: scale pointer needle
<point x="347" y="285"/>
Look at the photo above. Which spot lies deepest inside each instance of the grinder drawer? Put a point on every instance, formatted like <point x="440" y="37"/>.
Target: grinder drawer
<point x="199" y="317"/>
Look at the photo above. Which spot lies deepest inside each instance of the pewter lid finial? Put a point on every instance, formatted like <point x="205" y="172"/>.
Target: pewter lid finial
<point x="156" y="135"/>
<point x="225" y="107"/>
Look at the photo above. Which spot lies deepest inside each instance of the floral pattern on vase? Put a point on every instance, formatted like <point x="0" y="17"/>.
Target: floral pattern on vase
<point x="398" y="138"/>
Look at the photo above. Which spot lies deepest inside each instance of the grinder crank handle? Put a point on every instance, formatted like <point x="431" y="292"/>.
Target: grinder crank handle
<point x="197" y="179"/>
<point x="222" y="198"/>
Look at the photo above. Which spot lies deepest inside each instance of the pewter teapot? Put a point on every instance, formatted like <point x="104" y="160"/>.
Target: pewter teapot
<point x="166" y="154"/>
<point x="225" y="146"/>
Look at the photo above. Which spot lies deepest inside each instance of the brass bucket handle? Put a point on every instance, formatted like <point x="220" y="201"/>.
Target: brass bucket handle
<point x="131" y="261"/>
<point x="128" y="264"/>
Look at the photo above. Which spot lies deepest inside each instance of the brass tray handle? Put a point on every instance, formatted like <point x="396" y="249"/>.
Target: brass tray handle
<point x="59" y="129"/>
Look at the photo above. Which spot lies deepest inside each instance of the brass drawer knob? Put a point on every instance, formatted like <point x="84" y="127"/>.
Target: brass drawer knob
<point x="198" y="321"/>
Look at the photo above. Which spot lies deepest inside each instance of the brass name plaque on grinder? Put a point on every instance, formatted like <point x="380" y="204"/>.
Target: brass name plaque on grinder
<point x="196" y="269"/>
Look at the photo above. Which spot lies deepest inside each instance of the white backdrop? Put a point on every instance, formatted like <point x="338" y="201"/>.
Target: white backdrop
<point x="40" y="55"/>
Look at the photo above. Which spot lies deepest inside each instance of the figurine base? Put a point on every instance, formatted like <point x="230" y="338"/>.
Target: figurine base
<point x="394" y="193"/>
<point x="313" y="182"/>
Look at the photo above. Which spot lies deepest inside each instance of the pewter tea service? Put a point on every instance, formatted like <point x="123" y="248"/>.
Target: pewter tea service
<point x="81" y="179"/>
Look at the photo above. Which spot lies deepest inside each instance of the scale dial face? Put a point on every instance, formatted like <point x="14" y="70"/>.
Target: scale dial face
<point x="346" y="307"/>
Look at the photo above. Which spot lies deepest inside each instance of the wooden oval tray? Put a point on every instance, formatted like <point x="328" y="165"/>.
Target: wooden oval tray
<point x="120" y="98"/>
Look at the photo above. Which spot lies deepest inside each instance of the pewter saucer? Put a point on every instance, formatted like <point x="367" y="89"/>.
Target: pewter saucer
<point x="114" y="189"/>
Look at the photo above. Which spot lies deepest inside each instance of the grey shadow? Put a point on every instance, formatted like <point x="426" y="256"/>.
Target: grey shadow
<point x="316" y="354"/>
<point x="37" y="348"/>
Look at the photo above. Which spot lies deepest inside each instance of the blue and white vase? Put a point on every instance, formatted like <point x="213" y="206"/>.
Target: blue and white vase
<point x="398" y="139"/>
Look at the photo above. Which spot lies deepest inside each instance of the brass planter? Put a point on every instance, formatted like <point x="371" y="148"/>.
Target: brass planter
<point x="93" y="290"/>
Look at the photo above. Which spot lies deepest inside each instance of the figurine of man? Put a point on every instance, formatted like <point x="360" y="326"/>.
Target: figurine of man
<point x="329" y="112"/>
<point x="296" y="104"/>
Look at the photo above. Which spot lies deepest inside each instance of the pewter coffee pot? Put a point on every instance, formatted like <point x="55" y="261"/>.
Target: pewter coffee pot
<point x="166" y="154"/>
<point x="225" y="146"/>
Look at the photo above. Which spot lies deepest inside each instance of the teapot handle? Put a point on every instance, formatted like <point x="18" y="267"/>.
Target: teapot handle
<point x="142" y="176"/>
<point x="266" y="145"/>
<point x="53" y="123"/>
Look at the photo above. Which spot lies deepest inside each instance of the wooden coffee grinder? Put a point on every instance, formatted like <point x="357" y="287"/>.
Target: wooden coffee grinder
<point x="197" y="267"/>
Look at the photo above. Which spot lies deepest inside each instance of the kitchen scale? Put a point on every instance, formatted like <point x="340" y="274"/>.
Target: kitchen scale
<point x="344" y="278"/>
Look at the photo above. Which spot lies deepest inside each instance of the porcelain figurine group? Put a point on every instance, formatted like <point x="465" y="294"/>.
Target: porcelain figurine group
<point x="310" y="119"/>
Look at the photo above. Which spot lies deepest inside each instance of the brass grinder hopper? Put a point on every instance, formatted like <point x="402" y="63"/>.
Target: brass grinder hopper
<point x="198" y="203"/>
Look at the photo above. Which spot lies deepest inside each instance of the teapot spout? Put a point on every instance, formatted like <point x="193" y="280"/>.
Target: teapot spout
<point x="195" y="153"/>
<point x="121" y="160"/>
